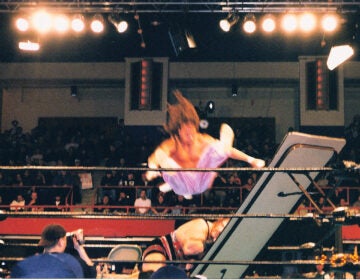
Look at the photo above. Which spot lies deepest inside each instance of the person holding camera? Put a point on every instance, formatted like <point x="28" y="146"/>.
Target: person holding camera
<point x="54" y="262"/>
<point x="75" y="241"/>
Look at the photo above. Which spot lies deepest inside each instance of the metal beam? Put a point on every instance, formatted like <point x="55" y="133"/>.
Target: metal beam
<point x="181" y="6"/>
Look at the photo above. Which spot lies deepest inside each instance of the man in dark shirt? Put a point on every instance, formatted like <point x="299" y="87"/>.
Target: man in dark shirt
<point x="53" y="263"/>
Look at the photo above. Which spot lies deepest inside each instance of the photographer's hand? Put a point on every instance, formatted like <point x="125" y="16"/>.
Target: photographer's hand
<point x="82" y="253"/>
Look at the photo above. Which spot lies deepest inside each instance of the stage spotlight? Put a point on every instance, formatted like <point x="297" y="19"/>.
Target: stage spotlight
<point x="42" y="21"/>
<point x="249" y="25"/>
<point x="190" y="39"/>
<point x="61" y="23"/>
<point x="78" y="23"/>
<point x="120" y="25"/>
<point x="307" y="22"/>
<point x="338" y="55"/>
<point x="97" y="23"/>
<point x="22" y="24"/>
<point x="289" y="23"/>
<point x="226" y="23"/>
<point x="268" y="24"/>
<point x="329" y="22"/>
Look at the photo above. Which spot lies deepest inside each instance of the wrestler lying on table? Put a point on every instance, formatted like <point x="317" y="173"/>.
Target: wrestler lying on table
<point x="187" y="242"/>
<point x="187" y="147"/>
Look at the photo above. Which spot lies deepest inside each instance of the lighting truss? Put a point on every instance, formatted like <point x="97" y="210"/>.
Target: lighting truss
<point x="181" y="6"/>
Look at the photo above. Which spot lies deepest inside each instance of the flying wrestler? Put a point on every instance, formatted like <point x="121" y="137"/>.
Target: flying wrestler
<point x="189" y="241"/>
<point x="187" y="147"/>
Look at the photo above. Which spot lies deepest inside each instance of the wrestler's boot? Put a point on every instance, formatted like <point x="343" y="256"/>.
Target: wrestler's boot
<point x="227" y="136"/>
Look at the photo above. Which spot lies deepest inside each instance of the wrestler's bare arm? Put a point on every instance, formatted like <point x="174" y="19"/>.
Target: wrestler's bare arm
<point x="157" y="157"/>
<point x="239" y="155"/>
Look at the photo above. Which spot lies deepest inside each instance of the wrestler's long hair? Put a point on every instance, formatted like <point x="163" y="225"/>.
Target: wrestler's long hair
<point x="181" y="112"/>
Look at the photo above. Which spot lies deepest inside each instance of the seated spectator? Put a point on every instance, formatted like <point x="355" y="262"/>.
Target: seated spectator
<point x="104" y="205"/>
<point x="247" y="187"/>
<point x="160" y="206"/>
<point x="179" y="205"/>
<point x="57" y="205"/>
<point x="216" y="196"/>
<point x="357" y="202"/>
<point x="34" y="202"/>
<point x="27" y="178"/>
<point x="123" y="201"/>
<point x="142" y="204"/>
<point x="108" y="180"/>
<point x="18" y="204"/>
<point x="39" y="179"/>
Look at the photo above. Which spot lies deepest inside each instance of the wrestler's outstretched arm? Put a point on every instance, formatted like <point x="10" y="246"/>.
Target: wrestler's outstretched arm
<point x="239" y="155"/>
<point x="152" y="163"/>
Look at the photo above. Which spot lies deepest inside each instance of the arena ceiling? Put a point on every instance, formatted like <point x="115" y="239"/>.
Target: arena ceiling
<point x="157" y="18"/>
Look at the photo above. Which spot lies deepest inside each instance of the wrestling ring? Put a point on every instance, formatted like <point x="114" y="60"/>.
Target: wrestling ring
<point x="254" y="230"/>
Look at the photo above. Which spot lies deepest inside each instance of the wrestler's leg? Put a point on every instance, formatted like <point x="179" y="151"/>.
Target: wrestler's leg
<point x="148" y="266"/>
<point x="226" y="135"/>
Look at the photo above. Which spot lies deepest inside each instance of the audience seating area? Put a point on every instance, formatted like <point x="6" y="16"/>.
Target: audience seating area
<point x="62" y="190"/>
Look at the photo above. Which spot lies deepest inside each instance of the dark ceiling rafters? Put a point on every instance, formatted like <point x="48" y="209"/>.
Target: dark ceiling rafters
<point x="345" y="6"/>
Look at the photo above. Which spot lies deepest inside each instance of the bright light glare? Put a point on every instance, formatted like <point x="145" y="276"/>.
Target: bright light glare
<point x="268" y="24"/>
<point x="339" y="55"/>
<point x="42" y="21"/>
<point x="97" y="25"/>
<point x="225" y="25"/>
<point x="61" y="23"/>
<point x="249" y="26"/>
<point x="307" y="22"/>
<point x="329" y="23"/>
<point x="122" y="26"/>
<point x="77" y="24"/>
<point x="29" y="46"/>
<point x="289" y="23"/>
<point x="22" y="24"/>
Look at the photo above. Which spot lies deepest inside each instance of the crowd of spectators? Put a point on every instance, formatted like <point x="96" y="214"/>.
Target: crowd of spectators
<point x="119" y="147"/>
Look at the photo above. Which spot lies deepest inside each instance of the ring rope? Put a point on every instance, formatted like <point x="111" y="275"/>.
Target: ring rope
<point x="144" y="169"/>
<point x="224" y="262"/>
<point x="336" y="261"/>
<point x="132" y="216"/>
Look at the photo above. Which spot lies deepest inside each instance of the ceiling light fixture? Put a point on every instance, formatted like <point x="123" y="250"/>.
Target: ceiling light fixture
<point x="78" y="23"/>
<point x="61" y="23"/>
<point x="289" y="23"/>
<point x="249" y="25"/>
<point x="329" y="22"/>
<point x="120" y="25"/>
<point x="97" y="24"/>
<point x="22" y="24"/>
<point x="226" y="23"/>
<point x="307" y="22"/>
<point x="268" y="24"/>
<point x="42" y="21"/>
